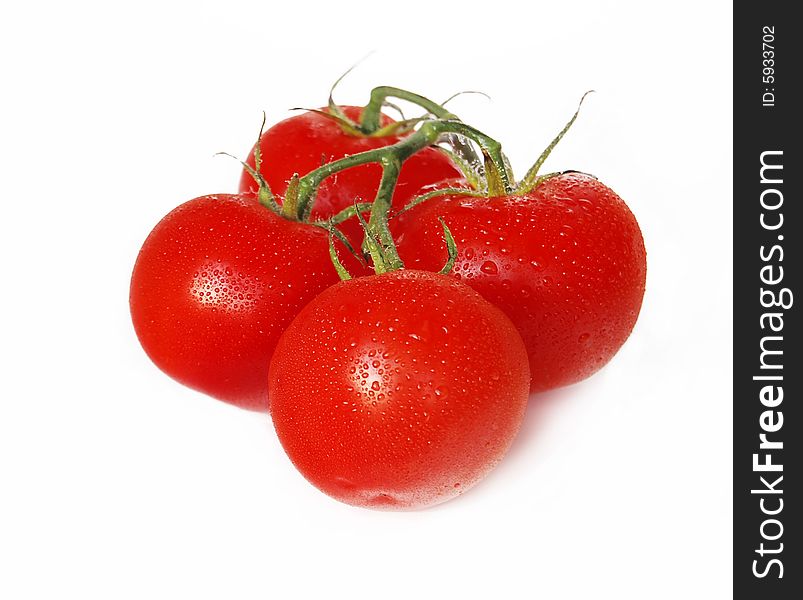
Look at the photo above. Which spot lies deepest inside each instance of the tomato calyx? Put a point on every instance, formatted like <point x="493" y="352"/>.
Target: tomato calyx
<point x="493" y="180"/>
<point x="531" y="179"/>
<point x="264" y="194"/>
<point x="370" y="121"/>
<point x="390" y="157"/>
<point x="295" y="201"/>
<point x="378" y="241"/>
<point x="489" y="176"/>
<point x="289" y="207"/>
<point x="462" y="152"/>
<point x="298" y="199"/>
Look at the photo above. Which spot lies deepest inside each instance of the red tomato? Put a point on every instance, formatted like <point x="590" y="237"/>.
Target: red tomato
<point x="399" y="390"/>
<point x="215" y="285"/>
<point x="304" y="142"/>
<point x="565" y="262"/>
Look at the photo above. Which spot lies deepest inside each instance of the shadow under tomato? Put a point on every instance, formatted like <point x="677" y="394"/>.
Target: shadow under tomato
<point x="538" y="410"/>
<point x="535" y="419"/>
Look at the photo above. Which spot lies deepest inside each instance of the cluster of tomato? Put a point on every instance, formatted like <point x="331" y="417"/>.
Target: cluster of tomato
<point x="390" y="294"/>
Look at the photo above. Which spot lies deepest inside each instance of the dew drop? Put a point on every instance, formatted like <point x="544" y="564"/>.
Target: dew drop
<point x="584" y="204"/>
<point x="489" y="267"/>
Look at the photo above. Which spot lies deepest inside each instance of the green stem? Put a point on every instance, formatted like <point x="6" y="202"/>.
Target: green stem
<point x="372" y="113"/>
<point x="491" y="149"/>
<point x="372" y="116"/>
<point x="378" y="223"/>
<point x="308" y="185"/>
<point x="378" y="238"/>
<point x="427" y="135"/>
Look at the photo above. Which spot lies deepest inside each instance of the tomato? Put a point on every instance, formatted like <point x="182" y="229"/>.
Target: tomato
<point x="399" y="390"/>
<point x="304" y="142"/>
<point x="565" y="262"/>
<point x="214" y="286"/>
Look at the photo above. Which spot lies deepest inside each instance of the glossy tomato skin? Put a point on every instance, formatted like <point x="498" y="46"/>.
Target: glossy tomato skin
<point x="566" y="263"/>
<point x="214" y="286"/>
<point x="398" y="391"/>
<point x="304" y="142"/>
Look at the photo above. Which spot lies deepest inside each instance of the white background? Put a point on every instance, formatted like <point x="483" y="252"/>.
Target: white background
<point x="115" y="482"/>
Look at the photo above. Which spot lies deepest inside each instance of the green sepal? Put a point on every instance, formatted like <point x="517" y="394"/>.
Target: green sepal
<point x="342" y="271"/>
<point x="264" y="195"/>
<point x="398" y="127"/>
<point x="330" y="228"/>
<point x="374" y="247"/>
<point x="290" y="204"/>
<point x="530" y="179"/>
<point x="435" y="193"/>
<point x="451" y="248"/>
<point x="347" y="125"/>
<point x="473" y="173"/>
<point x="496" y="185"/>
<point x="350" y="212"/>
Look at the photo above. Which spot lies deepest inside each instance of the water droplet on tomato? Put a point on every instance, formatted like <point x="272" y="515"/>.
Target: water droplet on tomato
<point x="489" y="267"/>
<point x="344" y="483"/>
